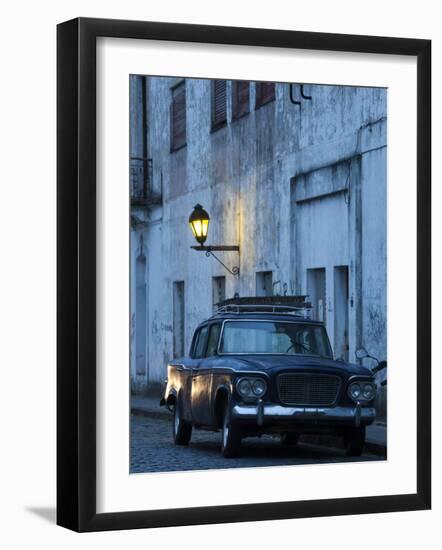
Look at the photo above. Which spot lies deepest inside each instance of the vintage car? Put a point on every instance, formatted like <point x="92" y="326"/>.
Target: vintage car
<point x="256" y="368"/>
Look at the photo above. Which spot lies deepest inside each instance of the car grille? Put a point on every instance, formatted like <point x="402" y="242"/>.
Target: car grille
<point x="308" y="389"/>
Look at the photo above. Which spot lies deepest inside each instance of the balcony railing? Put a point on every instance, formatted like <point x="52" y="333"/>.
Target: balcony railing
<point x="142" y="193"/>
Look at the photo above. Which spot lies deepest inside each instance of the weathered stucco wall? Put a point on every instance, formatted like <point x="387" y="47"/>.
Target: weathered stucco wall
<point x="297" y="187"/>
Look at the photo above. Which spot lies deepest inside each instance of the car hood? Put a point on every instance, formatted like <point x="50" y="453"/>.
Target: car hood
<point x="293" y="362"/>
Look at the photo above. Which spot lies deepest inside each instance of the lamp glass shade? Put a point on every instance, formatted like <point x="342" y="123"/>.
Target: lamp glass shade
<point x="199" y="223"/>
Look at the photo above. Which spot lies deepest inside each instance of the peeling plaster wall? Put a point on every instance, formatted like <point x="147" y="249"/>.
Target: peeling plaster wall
<point x="277" y="183"/>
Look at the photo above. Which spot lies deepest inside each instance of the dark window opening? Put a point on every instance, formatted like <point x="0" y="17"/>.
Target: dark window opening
<point x="240" y="98"/>
<point x="264" y="283"/>
<point x="178" y="117"/>
<point x="265" y="92"/>
<point x="219" y="103"/>
<point x="218" y="290"/>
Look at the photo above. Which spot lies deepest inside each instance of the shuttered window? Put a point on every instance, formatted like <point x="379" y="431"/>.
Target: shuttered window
<point x="219" y="103"/>
<point x="178" y="117"/>
<point x="265" y="92"/>
<point x="240" y="98"/>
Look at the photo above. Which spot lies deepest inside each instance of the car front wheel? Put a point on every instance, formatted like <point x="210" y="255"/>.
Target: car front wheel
<point x="231" y="436"/>
<point x="289" y="438"/>
<point x="354" y="440"/>
<point x="182" y="430"/>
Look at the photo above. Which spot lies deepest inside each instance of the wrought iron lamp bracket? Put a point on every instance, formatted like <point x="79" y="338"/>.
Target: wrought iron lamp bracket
<point x="209" y="252"/>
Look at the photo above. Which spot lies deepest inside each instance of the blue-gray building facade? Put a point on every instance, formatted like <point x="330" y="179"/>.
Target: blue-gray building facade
<point x="294" y="175"/>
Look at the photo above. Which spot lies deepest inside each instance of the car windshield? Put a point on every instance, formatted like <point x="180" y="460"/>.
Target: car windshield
<point x="256" y="337"/>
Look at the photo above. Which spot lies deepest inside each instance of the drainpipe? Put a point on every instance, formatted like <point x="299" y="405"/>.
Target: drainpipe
<point x="303" y="95"/>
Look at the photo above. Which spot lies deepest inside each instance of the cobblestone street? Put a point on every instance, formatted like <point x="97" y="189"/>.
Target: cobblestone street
<point x="152" y="450"/>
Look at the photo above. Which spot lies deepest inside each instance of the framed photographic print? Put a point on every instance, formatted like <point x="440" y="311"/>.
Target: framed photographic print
<point x="243" y="256"/>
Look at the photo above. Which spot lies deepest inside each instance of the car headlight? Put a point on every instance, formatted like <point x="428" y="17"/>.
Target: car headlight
<point x="362" y="391"/>
<point x="368" y="391"/>
<point x="251" y="387"/>
<point x="244" y="388"/>
<point x="354" y="391"/>
<point x="259" y="387"/>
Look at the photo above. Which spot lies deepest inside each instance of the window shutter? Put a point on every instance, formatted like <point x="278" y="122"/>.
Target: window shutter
<point x="265" y="92"/>
<point x="219" y="103"/>
<point x="240" y="98"/>
<point x="178" y="117"/>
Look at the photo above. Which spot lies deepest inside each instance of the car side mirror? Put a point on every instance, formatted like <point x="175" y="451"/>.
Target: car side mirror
<point x="361" y="353"/>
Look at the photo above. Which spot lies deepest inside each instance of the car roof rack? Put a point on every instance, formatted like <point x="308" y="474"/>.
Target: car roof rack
<point x="289" y="305"/>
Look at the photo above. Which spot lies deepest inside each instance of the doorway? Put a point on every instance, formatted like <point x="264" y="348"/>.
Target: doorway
<point x="178" y="319"/>
<point x="316" y="292"/>
<point x="341" y="312"/>
<point x="140" y="321"/>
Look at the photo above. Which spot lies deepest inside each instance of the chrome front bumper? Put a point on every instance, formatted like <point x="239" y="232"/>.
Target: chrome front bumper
<point x="261" y="413"/>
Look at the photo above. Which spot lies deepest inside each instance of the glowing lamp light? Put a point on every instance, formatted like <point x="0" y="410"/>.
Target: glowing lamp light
<point x="199" y="223"/>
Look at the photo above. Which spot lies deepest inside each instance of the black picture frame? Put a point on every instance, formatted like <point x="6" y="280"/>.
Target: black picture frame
<point x="76" y="273"/>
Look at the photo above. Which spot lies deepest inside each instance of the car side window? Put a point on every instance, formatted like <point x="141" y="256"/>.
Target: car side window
<point x="200" y="344"/>
<point x="212" y="344"/>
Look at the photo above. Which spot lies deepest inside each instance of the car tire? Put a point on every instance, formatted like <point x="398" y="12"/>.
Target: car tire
<point x="181" y="429"/>
<point x="354" y="440"/>
<point x="290" y="439"/>
<point x="230" y="435"/>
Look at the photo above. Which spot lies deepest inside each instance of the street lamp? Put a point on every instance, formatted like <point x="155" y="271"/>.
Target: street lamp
<point x="199" y="223"/>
